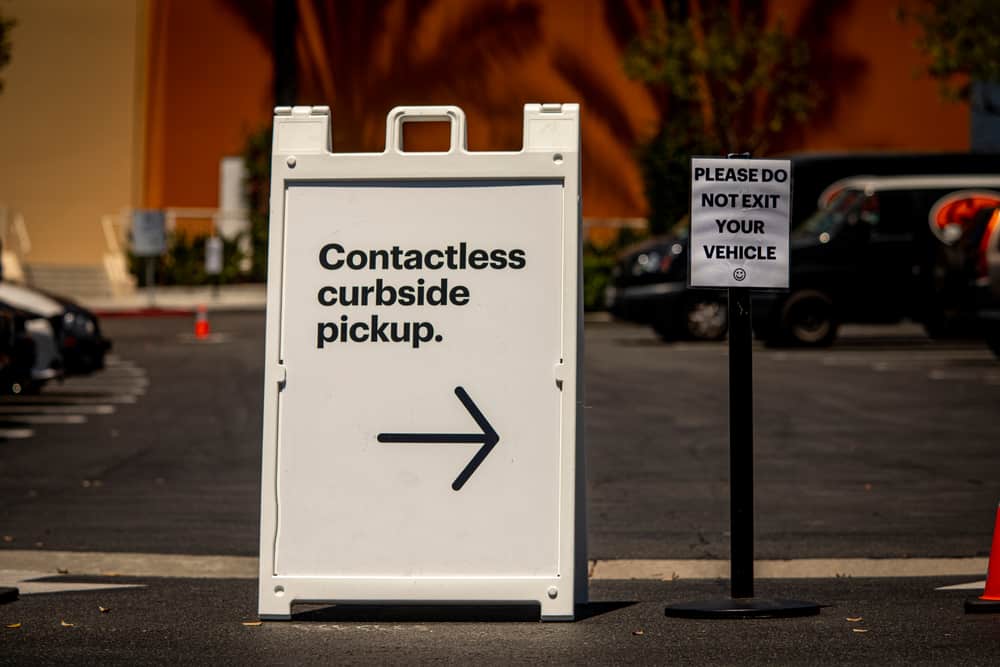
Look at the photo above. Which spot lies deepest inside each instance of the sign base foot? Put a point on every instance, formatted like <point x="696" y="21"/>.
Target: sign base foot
<point x="742" y="608"/>
<point x="8" y="594"/>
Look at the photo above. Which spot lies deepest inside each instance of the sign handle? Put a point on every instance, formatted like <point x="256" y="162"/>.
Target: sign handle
<point x="444" y="114"/>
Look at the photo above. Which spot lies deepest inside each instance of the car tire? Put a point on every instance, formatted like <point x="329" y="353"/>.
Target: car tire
<point x="808" y="319"/>
<point x="706" y="319"/>
<point x="993" y="337"/>
<point x="665" y="327"/>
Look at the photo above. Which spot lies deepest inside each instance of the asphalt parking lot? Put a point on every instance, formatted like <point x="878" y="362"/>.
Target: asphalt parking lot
<point x="881" y="449"/>
<point x="881" y="446"/>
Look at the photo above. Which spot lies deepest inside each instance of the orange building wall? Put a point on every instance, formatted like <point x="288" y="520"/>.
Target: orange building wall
<point x="490" y="58"/>
<point x="879" y="97"/>
<point x="71" y="124"/>
<point x="210" y="82"/>
<point x="209" y="86"/>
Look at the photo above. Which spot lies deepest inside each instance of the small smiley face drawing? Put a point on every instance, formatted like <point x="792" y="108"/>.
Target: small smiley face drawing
<point x="740" y="274"/>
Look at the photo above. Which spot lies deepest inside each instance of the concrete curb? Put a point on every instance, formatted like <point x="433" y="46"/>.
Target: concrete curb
<point x="246" y="567"/>
<point x="177" y="301"/>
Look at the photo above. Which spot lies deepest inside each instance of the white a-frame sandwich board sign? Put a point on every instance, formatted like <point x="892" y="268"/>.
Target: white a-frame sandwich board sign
<point x="422" y="440"/>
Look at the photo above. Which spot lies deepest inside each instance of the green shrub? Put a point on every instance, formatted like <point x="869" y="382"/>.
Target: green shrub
<point x="184" y="263"/>
<point x="598" y="262"/>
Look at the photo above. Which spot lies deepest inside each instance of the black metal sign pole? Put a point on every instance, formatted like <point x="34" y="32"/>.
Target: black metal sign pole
<point x="742" y="604"/>
<point x="740" y="442"/>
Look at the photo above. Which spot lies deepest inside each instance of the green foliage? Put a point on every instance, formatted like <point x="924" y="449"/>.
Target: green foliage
<point x="598" y="261"/>
<point x="962" y="40"/>
<point x="6" y="25"/>
<point x="257" y="158"/>
<point x="596" y="277"/>
<point x="184" y="263"/>
<point x="666" y="169"/>
<point x="731" y="85"/>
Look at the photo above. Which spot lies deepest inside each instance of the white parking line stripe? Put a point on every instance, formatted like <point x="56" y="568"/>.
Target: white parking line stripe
<point x="112" y="379"/>
<point x="45" y="419"/>
<point x="103" y="389"/>
<point x="970" y="586"/>
<point x="74" y="392"/>
<point x="125" y="370"/>
<point x="57" y="409"/>
<point x="119" y="378"/>
<point x="104" y="381"/>
<point x="973" y="374"/>
<point x="56" y="398"/>
<point x="15" y="433"/>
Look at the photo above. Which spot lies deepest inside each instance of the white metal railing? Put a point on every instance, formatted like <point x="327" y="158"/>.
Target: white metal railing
<point x="173" y="214"/>
<point x="115" y="231"/>
<point x="12" y="228"/>
<point x="12" y="225"/>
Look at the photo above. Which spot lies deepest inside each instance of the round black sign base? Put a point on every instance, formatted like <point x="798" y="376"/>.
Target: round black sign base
<point x="981" y="606"/>
<point x="742" y="608"/>
<point x="7" y="594"/>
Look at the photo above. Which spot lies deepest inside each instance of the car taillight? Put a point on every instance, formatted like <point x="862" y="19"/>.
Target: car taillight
<point x="982" y="266"/>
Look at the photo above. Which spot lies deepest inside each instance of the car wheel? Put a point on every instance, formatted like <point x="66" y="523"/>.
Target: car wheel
<point x="808" y="318"/>
<point x="665" y="327"/>
<point x="940" y="325"/>
<point x="706" y="319"/>
<point x="993" y="338"/>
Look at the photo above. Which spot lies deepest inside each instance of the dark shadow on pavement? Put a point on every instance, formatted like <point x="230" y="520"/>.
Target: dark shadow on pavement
<point x="414" y="613"/>
<point x="592" y="609"/>
<point x="419" y="613"/>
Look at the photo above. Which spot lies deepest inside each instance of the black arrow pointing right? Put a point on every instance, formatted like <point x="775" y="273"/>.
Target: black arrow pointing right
<point x="488" y="437"/>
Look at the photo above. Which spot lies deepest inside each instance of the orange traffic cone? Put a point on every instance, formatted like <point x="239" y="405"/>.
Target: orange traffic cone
<point x="989" y="601"/>
<point x="201" y="328"/>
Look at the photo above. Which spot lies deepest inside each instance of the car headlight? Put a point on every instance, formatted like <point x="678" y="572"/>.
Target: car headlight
<point x="651" y="262"/>
<point x="78" y="324"/>
<point x="647" y="262"/>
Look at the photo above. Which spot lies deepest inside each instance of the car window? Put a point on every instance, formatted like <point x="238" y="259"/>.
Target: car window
<point x="868" y="211"/>
<point x="845" y="209"/>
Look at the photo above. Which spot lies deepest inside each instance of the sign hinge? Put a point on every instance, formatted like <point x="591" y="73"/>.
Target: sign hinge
<point x="281" y="376"/>
<point x="559" y="373"/>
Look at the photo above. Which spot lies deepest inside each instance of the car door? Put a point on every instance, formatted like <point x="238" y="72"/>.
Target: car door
<point x="884" y="239"/>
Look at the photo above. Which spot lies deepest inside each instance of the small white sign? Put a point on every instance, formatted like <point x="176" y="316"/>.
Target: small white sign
<point x="739" y="222"/>
<point x="149" y="235"/>
<point x="213" y="255"/>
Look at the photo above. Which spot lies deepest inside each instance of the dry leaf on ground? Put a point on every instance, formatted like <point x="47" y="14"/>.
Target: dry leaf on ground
<point x="13" y="626"/>
<point x="853" y="619"/>
<point x="67" y="625"/>
<point x="253" y="623"/>
<point x="859" y="630"/>
<point x="104" y="610"/>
